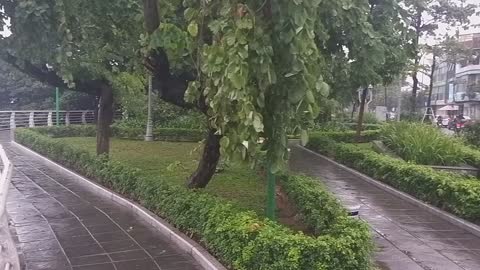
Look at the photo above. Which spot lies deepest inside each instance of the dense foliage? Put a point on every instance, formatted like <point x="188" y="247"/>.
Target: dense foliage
<point x="161" y="134"/>
<point x="456" y="194"/>
<point x="240" y="239"/>
<point x="422" y="144"/>
<point x="350" y="136"/>
<point x="472" y="134"/>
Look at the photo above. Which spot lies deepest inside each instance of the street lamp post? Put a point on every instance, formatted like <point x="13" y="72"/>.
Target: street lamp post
<point x="149" y="131"/>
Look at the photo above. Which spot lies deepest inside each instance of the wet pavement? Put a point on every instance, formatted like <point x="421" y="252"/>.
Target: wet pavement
<point x="61" y="225"/>
<point x="407" y="237"/>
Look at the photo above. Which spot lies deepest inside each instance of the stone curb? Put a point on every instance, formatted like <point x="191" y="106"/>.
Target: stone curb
<point x="199" y="254"/>
<point x="466" y="225"/>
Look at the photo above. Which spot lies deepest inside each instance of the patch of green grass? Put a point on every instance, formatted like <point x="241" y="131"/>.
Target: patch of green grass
<point x="176" y="161"/>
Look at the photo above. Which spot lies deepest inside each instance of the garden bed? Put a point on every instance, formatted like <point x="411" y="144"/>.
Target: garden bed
<point x="240" y="239"/>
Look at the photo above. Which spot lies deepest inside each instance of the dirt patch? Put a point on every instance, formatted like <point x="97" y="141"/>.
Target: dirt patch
<point x="288" y="214"/>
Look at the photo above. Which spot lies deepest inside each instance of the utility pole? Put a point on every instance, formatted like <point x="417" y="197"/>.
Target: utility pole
<point x="149" y="131"/>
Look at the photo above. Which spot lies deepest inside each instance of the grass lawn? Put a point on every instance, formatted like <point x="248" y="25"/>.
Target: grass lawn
<point x="176" y="161"/>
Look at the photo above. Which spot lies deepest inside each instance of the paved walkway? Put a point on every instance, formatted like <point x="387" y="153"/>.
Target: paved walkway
<point x="407" y="237"/>
<point x="61" y="225"/>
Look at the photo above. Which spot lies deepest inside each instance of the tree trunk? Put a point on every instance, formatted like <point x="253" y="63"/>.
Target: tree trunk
<point x="413" y="98"/>
<point x="354" y="108"/>
<point x="418" y="33"/>
<point x="105" y="118"/>
<point x="208" y="163"/>
<point x="430" y="88"/>
<point x="361" y="113"/>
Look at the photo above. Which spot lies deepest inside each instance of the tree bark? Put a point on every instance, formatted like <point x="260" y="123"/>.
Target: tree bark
<point x="354" y="108"/>
<point x="208" y="163"/>
<point x="430" y="88"/>
<point x="418" y="33"/>
<point x="105" y="118"/>
<point x="361" y="113"/>
<point x="172" y="89"/>
<point x="413" y="98"/>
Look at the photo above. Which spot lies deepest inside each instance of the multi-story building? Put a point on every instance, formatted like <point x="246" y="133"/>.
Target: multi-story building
<point x="458" y="84"/>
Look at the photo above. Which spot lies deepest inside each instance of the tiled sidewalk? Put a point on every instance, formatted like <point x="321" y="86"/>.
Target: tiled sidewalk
<point x="62" y="225"/>
<point x="407" y="237"/>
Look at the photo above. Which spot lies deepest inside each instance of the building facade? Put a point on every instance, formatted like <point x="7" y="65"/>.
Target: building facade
<point x="458" y="84"/>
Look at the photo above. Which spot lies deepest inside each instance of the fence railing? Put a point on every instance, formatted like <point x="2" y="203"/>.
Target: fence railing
<point x="14" y="119"/>
<point x="8" y="252"/>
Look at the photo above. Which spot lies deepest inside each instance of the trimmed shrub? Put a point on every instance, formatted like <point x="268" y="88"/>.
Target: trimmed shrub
<point x="422" y="144"/>
<point x="348" y="136"/>
<point x="161" y="134"/>
<point x="341" y="126"/>
<point x="68" y="131"/>
<point x="458" y="195"/>
<point x="240" y="239"/>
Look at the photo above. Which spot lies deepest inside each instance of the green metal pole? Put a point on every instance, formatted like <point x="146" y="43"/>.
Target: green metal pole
<point x="57" y="104"/>
<point x="271" y="202"/>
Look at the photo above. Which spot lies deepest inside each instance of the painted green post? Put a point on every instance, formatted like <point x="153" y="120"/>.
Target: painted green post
<point x="57" y="104"/>
<point x="271" y="202"/>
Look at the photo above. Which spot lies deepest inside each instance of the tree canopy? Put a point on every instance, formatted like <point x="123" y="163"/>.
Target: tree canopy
<point x="253" y="67"/>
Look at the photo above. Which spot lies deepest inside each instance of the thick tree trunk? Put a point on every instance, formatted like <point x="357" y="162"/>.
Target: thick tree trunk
<point x="361" y="113"/>
<point x="430" y="88"/>
<point x="418" y="33"/>
<point x="105" y="118"/>
<point x="354" y="108"/>
<point x="413" y="98"/>
<point x="208" y="163"/>
<point x="172" y="89"/>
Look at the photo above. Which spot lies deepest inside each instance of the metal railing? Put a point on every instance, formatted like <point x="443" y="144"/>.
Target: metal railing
<point x="8" y="252"/>
<point x="13" y="119"/>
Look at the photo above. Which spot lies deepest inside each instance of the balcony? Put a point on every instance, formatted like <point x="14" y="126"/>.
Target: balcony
<point x="465" y="97"/>
<point x="468" y="70"/>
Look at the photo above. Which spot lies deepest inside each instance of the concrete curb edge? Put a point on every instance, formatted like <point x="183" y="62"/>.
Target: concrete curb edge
<point x="466" y="225"/>
<point x="198" y="253"/>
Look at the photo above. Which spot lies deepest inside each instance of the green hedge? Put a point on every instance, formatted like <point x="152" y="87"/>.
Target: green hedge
<point x="68" y="131"/>
<point x="458" y="195"/>
<point x="163" y="134"/>
<point x="240" y="239"/>
<point x="348" y="136"/>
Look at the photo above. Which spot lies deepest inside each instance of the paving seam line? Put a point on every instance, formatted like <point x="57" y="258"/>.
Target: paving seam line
<point x="463" y="224"/>
<point x="198" y="253"/>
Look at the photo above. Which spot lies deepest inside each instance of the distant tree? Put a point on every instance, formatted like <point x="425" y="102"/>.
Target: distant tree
<point x="20" y="92"/>
<point x="447" y="51"/>
<point x="424" y="19"/>
<point x="74" y="44"/>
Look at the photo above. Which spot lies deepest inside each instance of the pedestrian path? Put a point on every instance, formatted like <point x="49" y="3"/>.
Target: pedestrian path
<point x="62" y="225"/>
<point x="407" y="237"/>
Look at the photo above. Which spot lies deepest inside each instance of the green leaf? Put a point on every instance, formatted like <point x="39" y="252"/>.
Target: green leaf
<point x="304" y="137"/>
<point x="310" y="96"/>
<point x="193" y="29"/>
<point x="257" y="123"/>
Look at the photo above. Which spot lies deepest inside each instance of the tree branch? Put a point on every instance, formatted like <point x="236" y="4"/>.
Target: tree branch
<point x="171" y="88"/>
<point x="50" y="77"/>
